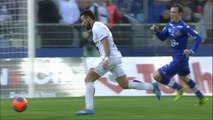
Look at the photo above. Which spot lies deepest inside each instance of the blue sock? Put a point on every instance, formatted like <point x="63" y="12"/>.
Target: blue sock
<point x="170" y="83"/>
<point x="176" y="86"/>
<point x="195" y="88"/>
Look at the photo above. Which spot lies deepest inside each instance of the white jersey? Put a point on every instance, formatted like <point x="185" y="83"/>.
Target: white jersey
<point x="100" y="31"/>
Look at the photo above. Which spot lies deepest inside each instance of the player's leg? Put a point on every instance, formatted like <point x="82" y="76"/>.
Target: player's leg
<point x="122" y="80"/>
<point x="120" y="76"/>
<point x="89" y="94"/>
<point x="165" y="79"/>
<point x="164" y="74"/>
<point x="90" y="89"/>
<point x="93" y="74"/>
<point x="192" y="85"/>
<point x="184" y="75"/>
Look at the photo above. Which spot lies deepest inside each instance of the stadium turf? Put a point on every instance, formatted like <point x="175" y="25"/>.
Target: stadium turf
<point x="110" y="108"/>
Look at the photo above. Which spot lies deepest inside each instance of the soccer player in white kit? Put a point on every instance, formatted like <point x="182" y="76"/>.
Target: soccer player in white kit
<point x="110" y="60"/>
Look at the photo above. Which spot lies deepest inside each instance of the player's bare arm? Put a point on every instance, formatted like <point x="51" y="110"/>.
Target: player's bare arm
<point x="107" y="52"/>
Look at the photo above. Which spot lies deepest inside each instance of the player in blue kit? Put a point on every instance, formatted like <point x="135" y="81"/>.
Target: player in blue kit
<point x="178" y="32"/>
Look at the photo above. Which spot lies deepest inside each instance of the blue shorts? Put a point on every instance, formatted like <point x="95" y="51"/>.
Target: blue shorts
<point x="169" y="70"/>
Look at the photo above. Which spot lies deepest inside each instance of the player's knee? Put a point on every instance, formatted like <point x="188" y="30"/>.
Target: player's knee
<point x="124" y="86"/>
<point x="88" y="80"/>
<point x="184" y="78"/>
<point x="157" y="76"/>
<point x="122" y="81"/>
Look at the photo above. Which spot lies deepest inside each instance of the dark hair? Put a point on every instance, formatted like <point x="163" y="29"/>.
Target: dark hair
<point x="179" y="6"/>
<point x="88" y="13"/>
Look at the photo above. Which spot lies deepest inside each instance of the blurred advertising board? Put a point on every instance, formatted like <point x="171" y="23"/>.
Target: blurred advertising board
<point x="64" y="77"/>
<point x="53" y="77"/>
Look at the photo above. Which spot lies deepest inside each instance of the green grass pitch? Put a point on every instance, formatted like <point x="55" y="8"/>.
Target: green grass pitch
<point x="110" y="108"/>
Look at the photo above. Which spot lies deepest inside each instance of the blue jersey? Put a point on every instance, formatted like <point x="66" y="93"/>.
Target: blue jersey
<point x="178" y="33"/>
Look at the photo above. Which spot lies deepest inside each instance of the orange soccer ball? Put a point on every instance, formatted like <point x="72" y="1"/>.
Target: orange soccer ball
<point x="20" y="104"/>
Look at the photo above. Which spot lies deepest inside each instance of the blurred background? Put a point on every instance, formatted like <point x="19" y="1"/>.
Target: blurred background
<point x="57" y="23"/>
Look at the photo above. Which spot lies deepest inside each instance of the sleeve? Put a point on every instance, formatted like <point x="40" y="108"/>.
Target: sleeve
<point x="164" y="34"/>
<point x="99" y="33"/>
<point x="194" y="34"/>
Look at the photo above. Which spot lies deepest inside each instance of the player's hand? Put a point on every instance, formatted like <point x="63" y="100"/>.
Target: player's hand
<point x="187" y="52"/>
<point x="106" y="64"/>
<point x="154" y="28"/>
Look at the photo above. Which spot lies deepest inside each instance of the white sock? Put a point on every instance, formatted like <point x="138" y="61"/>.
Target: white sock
<point x="135" y="84"/>
<point x="171" y="83"/>
<point x="89" y="95"/>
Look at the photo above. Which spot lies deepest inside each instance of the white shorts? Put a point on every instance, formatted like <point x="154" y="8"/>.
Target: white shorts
<point x="114" y="67"/>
